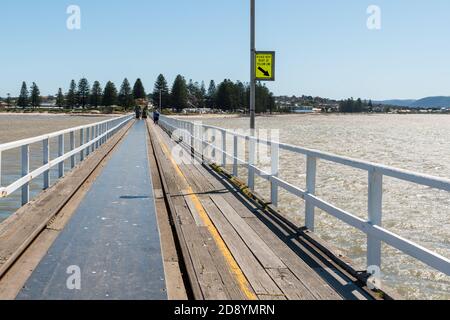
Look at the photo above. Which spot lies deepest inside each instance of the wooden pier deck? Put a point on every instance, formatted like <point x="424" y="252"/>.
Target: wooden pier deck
<point x="234" y="249"/>
<point x="144" y="224"/>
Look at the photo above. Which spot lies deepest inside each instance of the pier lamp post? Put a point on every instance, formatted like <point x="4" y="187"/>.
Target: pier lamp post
<point x="252" y="66"/>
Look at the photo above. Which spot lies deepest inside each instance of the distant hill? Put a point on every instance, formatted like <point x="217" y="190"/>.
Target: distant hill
<point x="429" y="102"/>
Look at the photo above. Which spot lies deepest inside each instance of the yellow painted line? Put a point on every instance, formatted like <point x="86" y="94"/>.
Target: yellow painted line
<point x="233" y="265"/>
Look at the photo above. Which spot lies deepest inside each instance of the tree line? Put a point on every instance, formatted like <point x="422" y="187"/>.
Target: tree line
<point x="228" y="96"/>
<point x="82" y="95"/>
<point x="355" y="106"/>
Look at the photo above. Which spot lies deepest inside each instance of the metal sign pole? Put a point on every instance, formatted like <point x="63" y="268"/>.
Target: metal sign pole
<point x="252" y="67"/>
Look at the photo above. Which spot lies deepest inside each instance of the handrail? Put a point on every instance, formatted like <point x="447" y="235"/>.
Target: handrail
<point x="92" y="136"/>
<point x="191" y="133"/>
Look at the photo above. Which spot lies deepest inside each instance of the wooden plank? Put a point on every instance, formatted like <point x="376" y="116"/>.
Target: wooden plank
<point x="208" y="276"/>
<point x="232" y="288"/>
<point x="290" y="285"/>
<point x="259" y="248"/>
<point x="198" y="220"/>
<point x="254" y="272"/>
<point x="307" y="276"/>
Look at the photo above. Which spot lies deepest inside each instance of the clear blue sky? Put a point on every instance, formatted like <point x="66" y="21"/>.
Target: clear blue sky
<point x="323" y="47"/>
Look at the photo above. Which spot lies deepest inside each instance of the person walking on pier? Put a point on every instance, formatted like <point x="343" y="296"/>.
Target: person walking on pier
<point x="137" y="110"/>
<point x="145" y="113"/>
<point x="156" y="117"/>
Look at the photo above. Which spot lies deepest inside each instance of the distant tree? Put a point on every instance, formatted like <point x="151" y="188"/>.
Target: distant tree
<point x="83" y="92"/>
<point x="161" y="88"/>
<point x="225" y="95"/>
<point x="243" y="100"/>
<point x="110" y="95"/>
<point x="71" y="96"/>
<point x="139" y="90"/>
<point x="95" y="98"/>
<point x="211" y="95"/>
<point x="35" y="96"/>
<point x="60" y="100"/>
<point x="201" y="95"/>
<point x="179" y="94"/>
<point x="23" y="97"/>
<point x="264" y="99"/>
<point x="125" y="95"/>
<point x="8" y="100"/>
<point x="231" y="96"/>
<point x="358" y="107"/>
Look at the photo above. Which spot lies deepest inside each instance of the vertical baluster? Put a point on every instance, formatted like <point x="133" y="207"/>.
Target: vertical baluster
<point x="92" y="138"/>
<point x="46" y="160"/>
<point x="103" y="133"/>
<point x="72" y="147"/>
<point x="97" y="134"/>
<point x="375" y="205"/>
<point x="25" y="172"/>
<point x="224" y="148"/>
<point x="251" y="162"/>
<point x="60" y="154"/>
<point x="311" y="173"/>
<point x="192" y="133"/>
<point x="202" y="137"/>
<point x="275" y="159"/>
<point x="81" y="143"/>
<point x="235" y="155"/>
<point x="87" y="139"/>
<point x="213" y="145"/>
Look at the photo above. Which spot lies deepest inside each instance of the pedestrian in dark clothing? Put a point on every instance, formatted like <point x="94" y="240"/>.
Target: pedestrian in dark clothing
<point x="137" y="110"/>
<point x="156" y="117"/>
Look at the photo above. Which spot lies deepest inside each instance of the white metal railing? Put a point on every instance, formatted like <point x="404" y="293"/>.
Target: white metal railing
<point x="193" y="136"/>
<point x="91" y="137"/>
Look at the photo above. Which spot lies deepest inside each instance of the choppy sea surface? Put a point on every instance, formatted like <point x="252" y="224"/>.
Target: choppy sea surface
<point x="419" y="143"/>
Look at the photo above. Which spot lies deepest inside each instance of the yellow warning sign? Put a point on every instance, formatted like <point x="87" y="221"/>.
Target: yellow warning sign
<point x="265" y="66"/>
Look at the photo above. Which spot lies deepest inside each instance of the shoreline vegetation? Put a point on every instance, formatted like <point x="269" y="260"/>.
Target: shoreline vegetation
<point x="186" y="98"/>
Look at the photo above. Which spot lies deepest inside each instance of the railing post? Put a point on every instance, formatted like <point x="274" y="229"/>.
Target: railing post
<point x="214" y="145"/>
<point x="97" y="134"/>
<point x="311" y="169"/>
<point x="81" y="143"/>
<point x="25" y="171"/>
<point x="251" y="162"/>
<point x="60" y="154"/>
<point x="92" y="138"/>
<point x="275" y="155"/>
<point x="192" y="131"/>
<point x="224" y="148"/>
<point x="72" y="147"/>
<point x="235" y="156"/>
<point x="375" y="204"/>
<point x="202" y="137"/>
<point x="46" y="159"/>
<point x="87" y="139"/>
